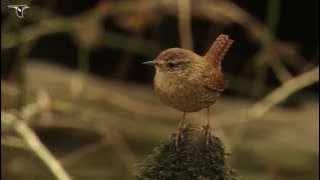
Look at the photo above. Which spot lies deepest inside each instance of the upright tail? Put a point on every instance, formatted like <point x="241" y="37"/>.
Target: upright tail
<point x="218" y="50"/>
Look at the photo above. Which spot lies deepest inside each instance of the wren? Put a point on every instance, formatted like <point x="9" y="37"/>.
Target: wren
<point x="189" y="82"/>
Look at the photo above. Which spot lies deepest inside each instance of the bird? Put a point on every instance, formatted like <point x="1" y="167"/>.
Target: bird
<point x="189" y="82"/>
<point x="19" y="9"/>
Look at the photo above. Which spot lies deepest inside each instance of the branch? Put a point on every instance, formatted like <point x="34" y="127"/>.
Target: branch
<point x="284" y="91"/>
<point x="184" y="19"/>
<point x="14" y="142"/>
<point x="34" y="144"/>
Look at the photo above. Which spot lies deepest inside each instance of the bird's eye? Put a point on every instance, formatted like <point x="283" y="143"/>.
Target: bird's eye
<point x="172" y="65"/>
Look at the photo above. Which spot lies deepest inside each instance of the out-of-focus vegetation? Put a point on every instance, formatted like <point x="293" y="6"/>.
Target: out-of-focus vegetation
<point x="196" y="157"/>
<point x="93" y="122"/>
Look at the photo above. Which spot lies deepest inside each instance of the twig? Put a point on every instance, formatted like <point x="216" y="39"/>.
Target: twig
<point x="120" y="146"/>
<point x="267" y="55"/>
<point x="275" y="62"/>
<point x="74" y="157"/>
<point x="273" y="14"/>
<point x="260" y="70"/>
<point x="79" y="81"/>
<point x="13" y="142"/>
<point x="279" y="69"/>
<point x="84" y="59"/>
<point x="284" y="91"/>
<point x="35" y="144"/>
<point x="21" y="74"/>
<point x="131" y="44"/>
<point x="184" y="19"/>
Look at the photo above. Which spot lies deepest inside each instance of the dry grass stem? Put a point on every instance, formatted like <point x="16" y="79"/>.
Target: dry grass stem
<point x="14" y="142"/>
<point x="35" y="144"/>
<point x="284" y="91"/>
<point x="184" y="19"/>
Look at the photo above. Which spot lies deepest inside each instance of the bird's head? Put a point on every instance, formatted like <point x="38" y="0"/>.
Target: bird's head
<point x="175" y="61"/>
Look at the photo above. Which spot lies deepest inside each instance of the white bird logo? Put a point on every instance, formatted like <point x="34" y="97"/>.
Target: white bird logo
<point x="19" y="9"/>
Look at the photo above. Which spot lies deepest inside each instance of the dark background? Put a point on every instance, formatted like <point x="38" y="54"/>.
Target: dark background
<point x="298" y="24"/>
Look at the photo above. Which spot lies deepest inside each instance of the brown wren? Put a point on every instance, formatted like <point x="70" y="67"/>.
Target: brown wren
<point x="189" y="82"/>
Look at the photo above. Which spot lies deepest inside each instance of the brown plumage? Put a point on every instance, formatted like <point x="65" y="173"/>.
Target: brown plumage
<point x="189" y="82"/>
<point x="218" y="50"/>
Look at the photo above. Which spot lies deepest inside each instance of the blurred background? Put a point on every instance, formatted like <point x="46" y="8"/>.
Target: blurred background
<point x="72" y="79"/>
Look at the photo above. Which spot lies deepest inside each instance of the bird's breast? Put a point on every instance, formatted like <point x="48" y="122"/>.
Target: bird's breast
<point x="182" y="94"/>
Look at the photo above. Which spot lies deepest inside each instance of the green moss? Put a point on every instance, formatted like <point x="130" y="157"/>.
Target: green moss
<point x="192" y="160"/>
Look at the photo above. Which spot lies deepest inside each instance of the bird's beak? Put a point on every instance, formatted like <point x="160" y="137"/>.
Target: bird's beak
<point x="150" y="63"/>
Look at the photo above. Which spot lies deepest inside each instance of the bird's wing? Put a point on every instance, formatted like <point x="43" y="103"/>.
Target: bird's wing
<point x="214" y="81"/>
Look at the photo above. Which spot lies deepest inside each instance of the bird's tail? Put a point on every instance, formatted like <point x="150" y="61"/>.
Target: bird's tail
<point x="218" y="50"/>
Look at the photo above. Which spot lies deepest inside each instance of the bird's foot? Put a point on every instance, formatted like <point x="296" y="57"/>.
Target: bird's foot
<point x="207" y="134"/>
<point x="179" y="137"/>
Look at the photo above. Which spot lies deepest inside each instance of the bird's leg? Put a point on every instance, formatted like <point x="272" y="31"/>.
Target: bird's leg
<point x="180" y="129"/>
<point x="207" y="127"/>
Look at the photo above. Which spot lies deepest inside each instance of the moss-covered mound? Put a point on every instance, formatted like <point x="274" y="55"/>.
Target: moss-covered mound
<point x="192" y="160"/>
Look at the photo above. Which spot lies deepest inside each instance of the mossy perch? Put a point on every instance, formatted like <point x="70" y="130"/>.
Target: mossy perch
<point x="193" y="160"/>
